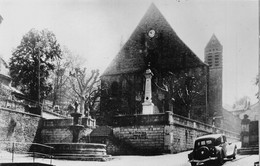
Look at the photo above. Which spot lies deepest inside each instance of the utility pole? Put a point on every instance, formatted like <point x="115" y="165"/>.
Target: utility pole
<point x="39" y="84"/>
<point x="258" y="78"/>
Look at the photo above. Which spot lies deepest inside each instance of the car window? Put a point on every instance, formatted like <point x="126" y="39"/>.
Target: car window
<point x="224" y="139"/>
<point x="218" y="141"/>
<point x="205" y="142"/>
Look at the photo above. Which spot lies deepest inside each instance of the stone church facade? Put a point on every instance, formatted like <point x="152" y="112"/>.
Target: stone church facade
<point x="180" y="83"/>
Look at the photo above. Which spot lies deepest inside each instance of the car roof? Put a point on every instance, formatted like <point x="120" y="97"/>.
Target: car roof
<point x="214" y="136"/>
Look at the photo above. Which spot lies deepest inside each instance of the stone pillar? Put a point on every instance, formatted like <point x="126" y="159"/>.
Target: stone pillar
<point x="245" y="131"/>
<point x="147" y="104"/>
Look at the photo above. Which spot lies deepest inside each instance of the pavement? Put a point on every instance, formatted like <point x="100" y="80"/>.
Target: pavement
<point x="179" y="159"/>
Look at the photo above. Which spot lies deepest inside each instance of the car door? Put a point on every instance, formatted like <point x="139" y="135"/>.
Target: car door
<point x="224" y="145"/>
<point x="229" y="147"/>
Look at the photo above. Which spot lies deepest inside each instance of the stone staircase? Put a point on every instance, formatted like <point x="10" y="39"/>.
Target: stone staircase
<point x="83" y="157"/>
<point x="80" y="151"/>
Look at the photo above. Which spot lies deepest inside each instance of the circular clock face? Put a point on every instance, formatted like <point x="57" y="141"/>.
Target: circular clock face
<point x="151" y="33"/>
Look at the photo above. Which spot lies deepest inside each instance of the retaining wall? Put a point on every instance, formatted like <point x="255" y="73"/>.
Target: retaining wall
<point x="160" y="133"/>
<point x="17" y="126"/>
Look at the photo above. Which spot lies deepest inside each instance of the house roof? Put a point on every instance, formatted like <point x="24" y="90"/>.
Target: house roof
<point x="252" y="112"/>
<point x="169" y="51"/>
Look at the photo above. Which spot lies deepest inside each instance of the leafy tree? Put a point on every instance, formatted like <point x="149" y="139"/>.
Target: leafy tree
<point x="85" y="87"/>
<point x="34" y="56"/>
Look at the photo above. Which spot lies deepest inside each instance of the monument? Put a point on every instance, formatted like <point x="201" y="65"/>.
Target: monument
<point x="147" y="104"/>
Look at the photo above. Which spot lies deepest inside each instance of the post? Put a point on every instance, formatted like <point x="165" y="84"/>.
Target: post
<point x="259" y="77"/>
<point x="39" y="84"/>
<point x="33" y="157"/>
<point x="13" y="152"/>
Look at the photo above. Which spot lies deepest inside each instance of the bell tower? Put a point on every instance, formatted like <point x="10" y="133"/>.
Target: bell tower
<point x="214" y="58"/>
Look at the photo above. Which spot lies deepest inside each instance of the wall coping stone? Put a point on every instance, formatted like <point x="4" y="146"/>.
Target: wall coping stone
<point x="204" y="124"/>
<point x="14" y="111"/>
<point x="166" y="118"/>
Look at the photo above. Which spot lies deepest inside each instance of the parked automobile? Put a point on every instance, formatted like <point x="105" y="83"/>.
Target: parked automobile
<point x="212" y="149"/>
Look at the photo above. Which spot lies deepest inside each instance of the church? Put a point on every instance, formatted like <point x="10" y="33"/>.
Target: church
<point x="181" y="82"/>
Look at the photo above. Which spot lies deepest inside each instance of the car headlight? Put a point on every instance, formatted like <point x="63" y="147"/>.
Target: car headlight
<point x="190" y="155"/>
<point x="213" y="151"/>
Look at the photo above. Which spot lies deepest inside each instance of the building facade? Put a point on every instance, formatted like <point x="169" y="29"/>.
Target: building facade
<point x="180" y="78"/>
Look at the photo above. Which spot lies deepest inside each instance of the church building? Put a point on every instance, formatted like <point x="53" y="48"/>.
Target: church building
<point x="180" y="80"/>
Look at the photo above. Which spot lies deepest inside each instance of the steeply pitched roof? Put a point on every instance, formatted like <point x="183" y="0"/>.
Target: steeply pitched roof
<point x="171" y="51"/>
<point x="213" y="42"/>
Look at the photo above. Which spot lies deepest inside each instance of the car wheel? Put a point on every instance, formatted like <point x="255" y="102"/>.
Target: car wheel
<point x="193" y="164"/>
<point x="220" y="159"/>
<point x="235" y="153"/>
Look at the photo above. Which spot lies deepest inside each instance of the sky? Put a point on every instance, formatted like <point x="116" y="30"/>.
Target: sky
<point x="95" y="29"/>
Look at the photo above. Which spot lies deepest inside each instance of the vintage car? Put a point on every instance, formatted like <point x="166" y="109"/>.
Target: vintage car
<point x="211" y="150"/>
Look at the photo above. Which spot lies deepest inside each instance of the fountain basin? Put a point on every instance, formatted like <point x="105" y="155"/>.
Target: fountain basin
<point x="80" y="151"/>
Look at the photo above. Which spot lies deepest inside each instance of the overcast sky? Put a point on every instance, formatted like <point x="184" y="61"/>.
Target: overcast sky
<point x="94" y="29"/>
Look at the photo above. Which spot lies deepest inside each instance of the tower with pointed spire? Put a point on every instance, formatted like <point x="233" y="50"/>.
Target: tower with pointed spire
<point x="213" y="57"/>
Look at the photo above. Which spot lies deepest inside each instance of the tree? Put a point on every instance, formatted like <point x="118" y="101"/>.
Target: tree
<point x="84" y="86"/>
<point x="186" y="89"/>
<point x="62" y="93"/>
<point x="242" y="103"/>
<point x="60" y="80"/>
<point x="34" y="57"/>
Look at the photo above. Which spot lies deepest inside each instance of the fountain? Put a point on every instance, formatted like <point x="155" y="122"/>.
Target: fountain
<point x="76" y="150"/>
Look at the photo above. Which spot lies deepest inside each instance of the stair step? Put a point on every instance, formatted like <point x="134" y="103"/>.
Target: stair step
<point x="83" y="157"/>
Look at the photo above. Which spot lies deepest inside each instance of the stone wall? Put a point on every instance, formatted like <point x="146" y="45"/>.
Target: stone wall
<point x="182" y="133"/>
<point x="144" y="139"/>
<point x="58" y="130"/>
<point x="159" y="133"/>
<point x="19" y="127"/>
